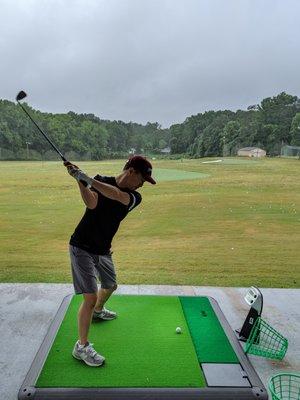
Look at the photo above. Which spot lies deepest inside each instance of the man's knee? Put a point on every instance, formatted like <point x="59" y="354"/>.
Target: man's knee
<point x="115" y="287"/>
<point x="90" y="299"/>
<point x="110" y="288"/>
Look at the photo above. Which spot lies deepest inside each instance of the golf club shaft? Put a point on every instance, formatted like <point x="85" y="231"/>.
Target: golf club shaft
<point x="45" y="136"/>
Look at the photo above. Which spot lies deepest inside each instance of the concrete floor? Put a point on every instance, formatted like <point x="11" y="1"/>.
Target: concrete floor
<point x="26" y="311"/>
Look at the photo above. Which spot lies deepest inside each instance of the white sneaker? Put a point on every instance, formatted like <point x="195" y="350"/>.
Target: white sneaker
<point x="104" y="314"/>
<point x="88" y="354"/>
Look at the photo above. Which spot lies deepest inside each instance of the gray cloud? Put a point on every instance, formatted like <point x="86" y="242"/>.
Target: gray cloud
<point x="148" y="60"/>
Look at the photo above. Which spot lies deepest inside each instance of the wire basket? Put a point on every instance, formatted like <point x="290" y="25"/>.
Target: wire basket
<point x="285" y="387"/>
<point x="265" y="341"/>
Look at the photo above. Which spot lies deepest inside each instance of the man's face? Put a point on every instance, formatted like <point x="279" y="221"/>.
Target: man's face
<point x="135" y="179"/>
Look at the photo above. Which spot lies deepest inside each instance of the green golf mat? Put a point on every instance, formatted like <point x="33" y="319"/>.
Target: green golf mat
<point x="140" y="346"/>
<point x="210" y="341"/>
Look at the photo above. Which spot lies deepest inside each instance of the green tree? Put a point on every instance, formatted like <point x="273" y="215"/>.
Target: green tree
<point x="177" y="142"/>
<point x="272" y="134"/>
<point x="273" y="123"/>
<point x="231" y="138"/>
<point x="162" y="144"/>
<point x="279" y="111"/>
<point x="295" y="130"/>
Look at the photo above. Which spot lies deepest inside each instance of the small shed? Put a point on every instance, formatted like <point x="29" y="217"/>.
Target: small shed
<point x="251" y="152"/>
<point x="166" y="150"/>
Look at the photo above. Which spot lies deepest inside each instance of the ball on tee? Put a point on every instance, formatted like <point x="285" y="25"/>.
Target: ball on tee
<point x="178" y="329"/>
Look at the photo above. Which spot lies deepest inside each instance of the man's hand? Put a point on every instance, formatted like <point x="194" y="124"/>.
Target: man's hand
<point x="70" y="166"/>
<point x="80" y="176"/>
<point x="77" y="174"/>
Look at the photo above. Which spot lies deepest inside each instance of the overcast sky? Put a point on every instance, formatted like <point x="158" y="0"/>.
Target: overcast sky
<point x="148" y="60"/>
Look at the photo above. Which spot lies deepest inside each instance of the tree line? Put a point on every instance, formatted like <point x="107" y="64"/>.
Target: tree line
<point x="269" y="125"/>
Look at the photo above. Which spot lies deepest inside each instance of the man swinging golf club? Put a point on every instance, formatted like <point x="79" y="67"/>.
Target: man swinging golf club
<point x="108" y="201"/>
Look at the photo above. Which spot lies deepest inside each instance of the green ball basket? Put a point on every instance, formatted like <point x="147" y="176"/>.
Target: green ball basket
<point x="285" y="387"/>
<point x="265" y="341"/>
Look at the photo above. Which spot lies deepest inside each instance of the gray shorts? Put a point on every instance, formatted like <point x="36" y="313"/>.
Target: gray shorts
<point x="88" y="268"/>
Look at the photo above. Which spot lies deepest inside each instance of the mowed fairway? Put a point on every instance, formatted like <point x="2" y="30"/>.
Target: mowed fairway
<point x="229" y="223"/>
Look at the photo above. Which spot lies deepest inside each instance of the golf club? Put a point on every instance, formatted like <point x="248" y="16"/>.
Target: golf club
<point x="20" y="96"/>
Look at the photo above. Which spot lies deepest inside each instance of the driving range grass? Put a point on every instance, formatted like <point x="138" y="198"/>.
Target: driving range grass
<point x="230" y="223"/>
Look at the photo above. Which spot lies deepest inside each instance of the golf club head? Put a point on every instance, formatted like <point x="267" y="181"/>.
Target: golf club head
<point x="21" y="95"/>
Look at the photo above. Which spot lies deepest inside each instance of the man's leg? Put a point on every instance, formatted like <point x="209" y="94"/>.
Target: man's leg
<point x="85" y="316"/>
<point x="107" y="276"/>
<point x="103" y="296"/>
<point x="83" y="350"/>
<point x="85" y="282"/>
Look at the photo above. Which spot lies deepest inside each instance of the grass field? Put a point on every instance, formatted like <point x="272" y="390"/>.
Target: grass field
<point x="229" y="223"/>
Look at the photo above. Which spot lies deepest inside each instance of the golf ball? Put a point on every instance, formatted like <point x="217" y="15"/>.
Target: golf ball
<point x="178" y="329"/>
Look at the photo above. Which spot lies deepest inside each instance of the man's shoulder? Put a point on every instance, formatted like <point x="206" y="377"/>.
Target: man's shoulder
<point x="135" y="199"/>
<point x="105" y="179"/>
<point x="111" y="180"/>
<point x="136" y="194"/>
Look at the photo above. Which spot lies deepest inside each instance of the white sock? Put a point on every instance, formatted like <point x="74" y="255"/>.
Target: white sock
<point x="81" y="346"/>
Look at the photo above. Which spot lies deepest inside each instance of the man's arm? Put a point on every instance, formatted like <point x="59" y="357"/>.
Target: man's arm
<point x="111" y="192"/>
<point x="89" y="197"/>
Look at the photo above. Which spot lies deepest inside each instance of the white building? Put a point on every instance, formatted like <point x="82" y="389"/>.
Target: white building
<point x="251" y="152"/>
<point x="166" y="150"/>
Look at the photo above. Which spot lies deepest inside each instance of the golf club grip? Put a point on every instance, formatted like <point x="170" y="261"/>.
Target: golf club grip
<point x="66" y="161"/>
